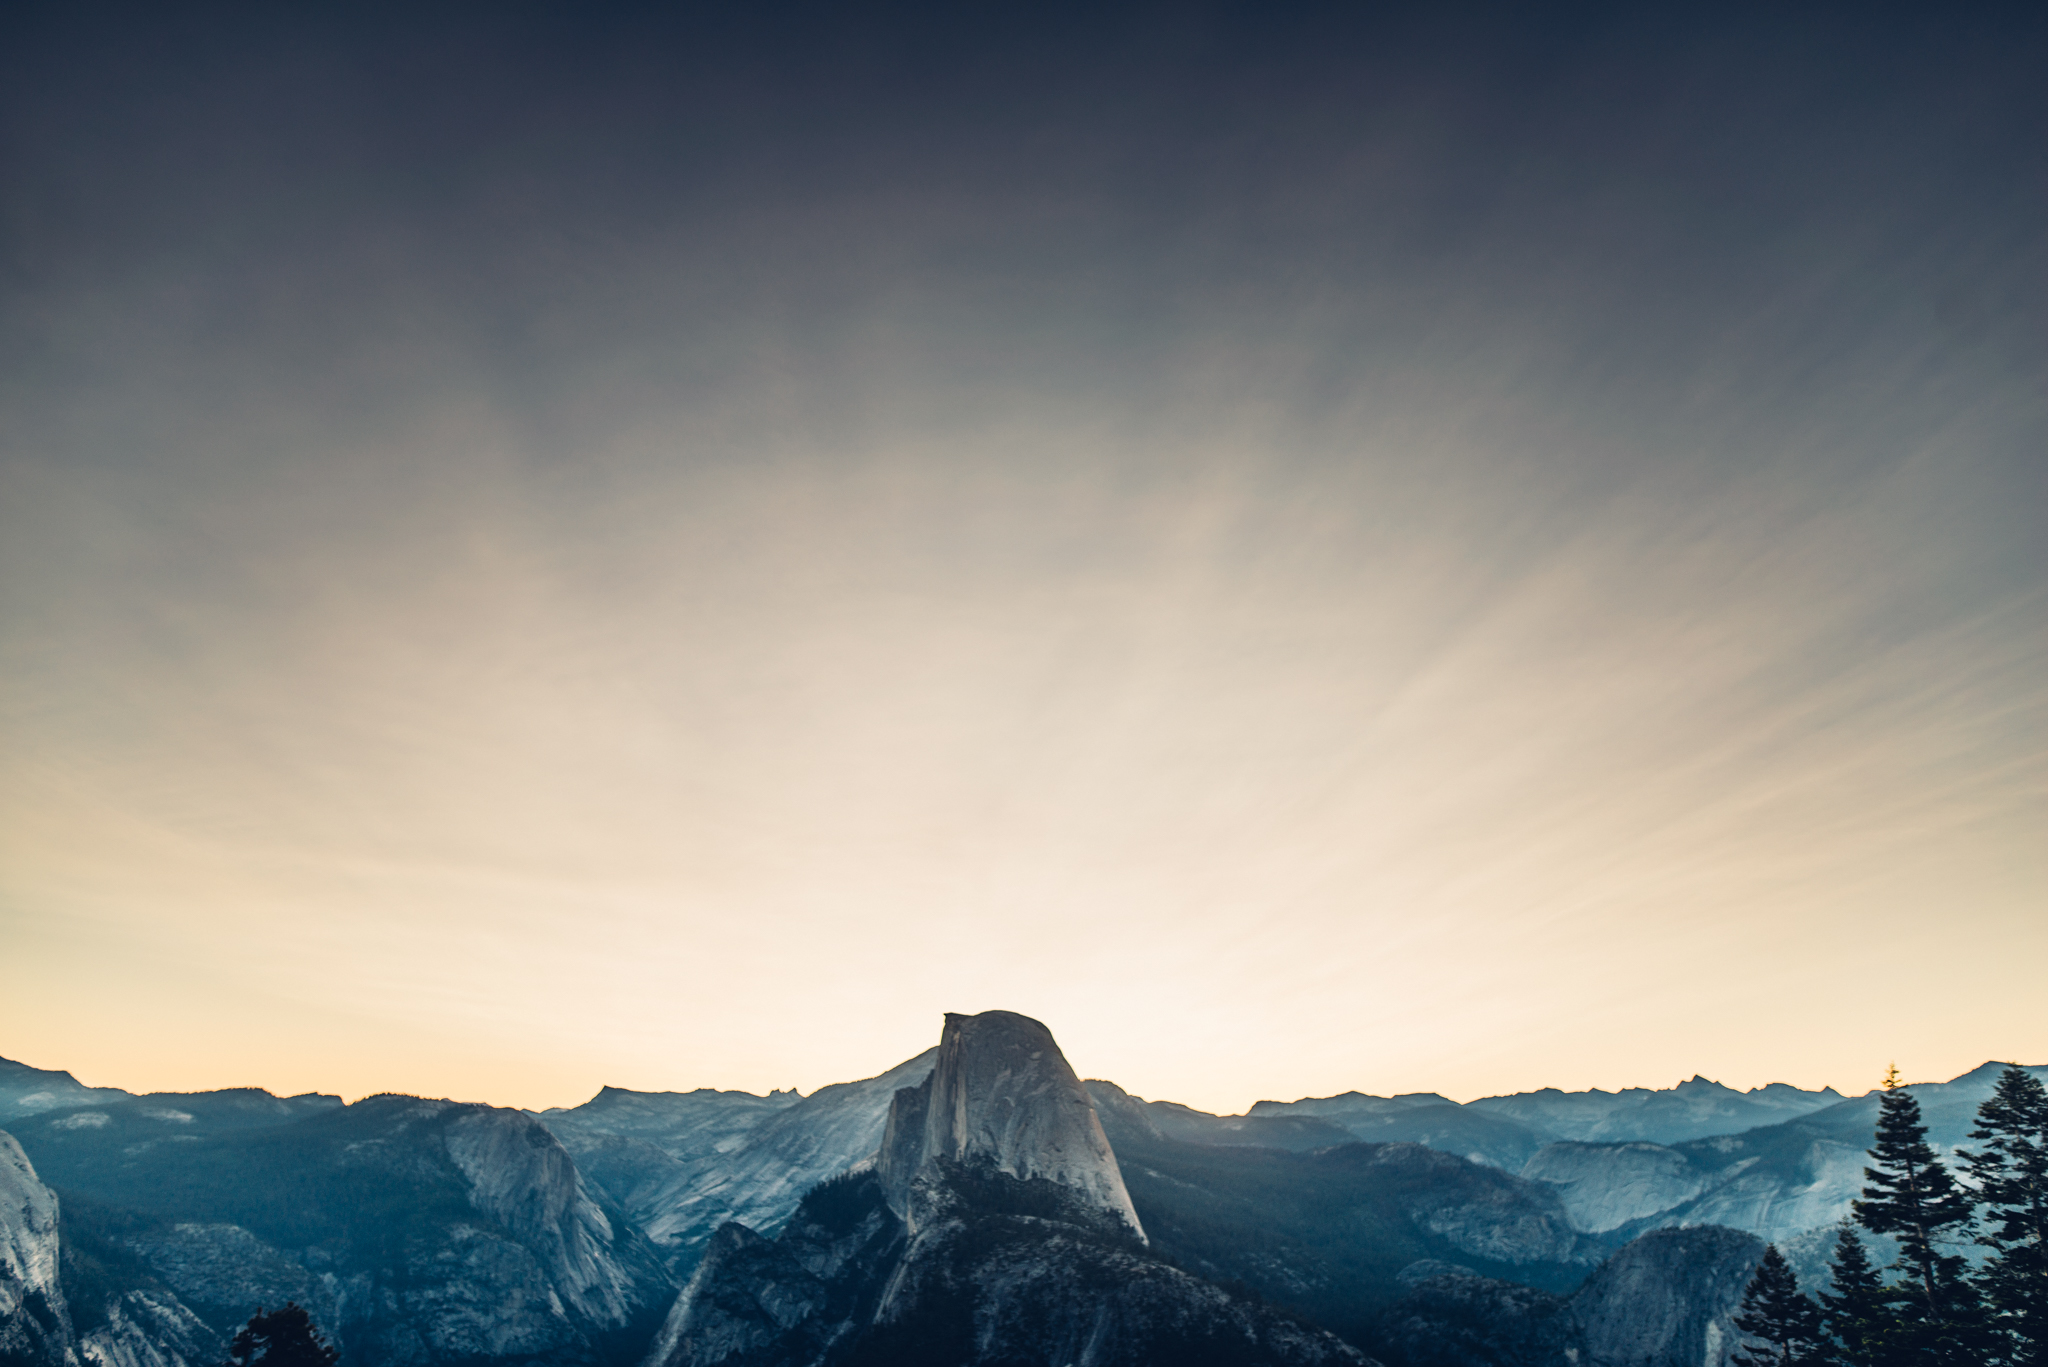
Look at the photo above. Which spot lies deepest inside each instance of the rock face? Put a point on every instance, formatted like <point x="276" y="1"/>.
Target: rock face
<point x="1480" y="1212"/>
<point x="1001" y="1098"/>
<point x="685" y="1124"/>
<point x="795" y="1297"/>
<point x="1000" y="1273"/>
<point x="526" y="1182"/>
<point x="1328" y="1233"/>
<point x="152" y="1329"/>
<point x="34" y="1323"/>
<point x="682" y="1165"/>
<point x="992" y="1226"/>
<point x="1606" y="1186"/>
<point x="413" y="1231"/>
<point x="1782" y="1182"/>
<point x="978" y="1204"/>
<point x="1667" y="1299"/>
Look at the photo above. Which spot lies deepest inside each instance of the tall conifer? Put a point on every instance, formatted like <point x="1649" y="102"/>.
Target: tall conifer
<point x="2011" y="1173"/>
<point x="1858" y="1310"/>
<point x="1785" y="1322"/>
<point x="1909" y="1194"/>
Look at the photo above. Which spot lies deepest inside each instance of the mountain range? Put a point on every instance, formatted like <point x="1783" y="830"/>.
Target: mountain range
<point x="976" y="1203"/>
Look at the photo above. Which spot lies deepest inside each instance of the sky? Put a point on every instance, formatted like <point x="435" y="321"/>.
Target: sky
<point x="1407" y="548"/>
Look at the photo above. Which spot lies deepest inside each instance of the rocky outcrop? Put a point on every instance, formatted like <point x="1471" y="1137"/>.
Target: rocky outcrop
<point x="682" y="1124"/>
<point x="523" y="1179"/>
<point x="985" y="1283"/>
<point x="1328" y="1233"/>
<point x="1001" y="1098"/>
<point x="35" y="1326"/>
<point x="1773" y="1183"/>
<point x="152" y="1329"/>
<point x="726" y="1156"/>
<point x="1782" y="1182"/>
<point x="1606" y="1186"/>
<point x="220" y="1269"/>
<point x="656" y="1153"/>
<point x="413" y="1231"/>
<point x="980" y="1196"/>
<point x="992" y="1226"/>
<point x="1667" y="1299"/>
<point x="1477" y="1210"/>
<point x="792" y="1298"/>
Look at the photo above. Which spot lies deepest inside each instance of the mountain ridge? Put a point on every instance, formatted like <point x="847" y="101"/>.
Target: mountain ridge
<point x="991" y="1226"/>
<point x="167" y="1242"/>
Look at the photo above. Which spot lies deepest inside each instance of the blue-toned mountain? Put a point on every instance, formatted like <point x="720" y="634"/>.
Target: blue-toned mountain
<point x="415" y="1231"/>
<point x="682" y="1164"/>
<point x="26" y="1091"/>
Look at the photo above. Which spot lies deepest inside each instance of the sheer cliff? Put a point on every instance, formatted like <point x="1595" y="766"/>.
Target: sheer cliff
<point x="415" y="1231"/>
<point x="1001" y="1099"/>
<point x="1667" y="1299"/>
<point x="992" y="1226"/>
<point x="682" y="1169"/>
<point x="34" y="1323"/>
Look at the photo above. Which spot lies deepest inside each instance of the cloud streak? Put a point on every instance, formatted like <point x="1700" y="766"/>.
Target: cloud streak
<point x="1452" y="565"/>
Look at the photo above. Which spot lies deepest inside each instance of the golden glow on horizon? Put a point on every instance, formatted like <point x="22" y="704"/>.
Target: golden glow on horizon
<point x="1354" y="547"/>
<point x="1250" y="777"/>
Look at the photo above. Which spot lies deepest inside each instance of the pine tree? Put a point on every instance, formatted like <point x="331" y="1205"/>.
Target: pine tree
<point x="1858" y="1311"/>
<point x="1908" y="1193"/>
<point x="283" y="1338"/>
<point x="1776" y="1312"/>
<point x="2011" y="1173"/>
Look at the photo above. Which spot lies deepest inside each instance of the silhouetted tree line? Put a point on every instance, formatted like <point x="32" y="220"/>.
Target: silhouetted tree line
<point x="1929" y="1308"/>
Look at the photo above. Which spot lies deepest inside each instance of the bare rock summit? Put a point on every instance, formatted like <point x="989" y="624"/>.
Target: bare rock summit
<point x="1000" y="1098"/>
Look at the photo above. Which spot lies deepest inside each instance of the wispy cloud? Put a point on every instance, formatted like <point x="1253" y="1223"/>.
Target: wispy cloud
<point x="1384" y="587"/>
